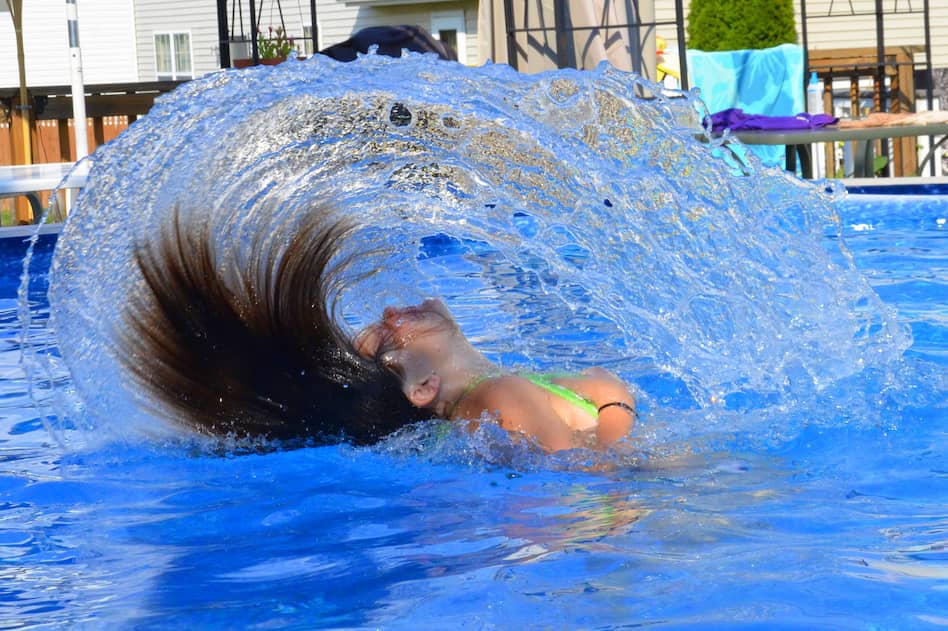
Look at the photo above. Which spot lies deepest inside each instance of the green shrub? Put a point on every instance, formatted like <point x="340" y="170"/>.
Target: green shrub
<point x="739" y="24"/>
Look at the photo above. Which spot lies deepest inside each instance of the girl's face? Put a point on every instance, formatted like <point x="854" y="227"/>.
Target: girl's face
<point x="406" y="335"/>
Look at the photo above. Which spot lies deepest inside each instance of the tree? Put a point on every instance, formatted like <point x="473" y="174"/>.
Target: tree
<point x="739" y="24"/>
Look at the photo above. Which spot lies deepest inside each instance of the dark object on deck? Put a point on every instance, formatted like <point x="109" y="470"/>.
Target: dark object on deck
<point x="390" y="40"/>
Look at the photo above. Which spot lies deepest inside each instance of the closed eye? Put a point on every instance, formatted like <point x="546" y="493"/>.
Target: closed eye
<point x="388" y="362"/>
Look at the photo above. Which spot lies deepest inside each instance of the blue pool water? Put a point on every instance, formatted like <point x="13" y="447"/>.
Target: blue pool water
<point x="788" y="347"/>
<point x="844" y="525"/>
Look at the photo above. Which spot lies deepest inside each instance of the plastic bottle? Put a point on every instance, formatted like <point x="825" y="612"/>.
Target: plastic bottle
<point x="814" y="95"/>
<point x="814" y="105"/>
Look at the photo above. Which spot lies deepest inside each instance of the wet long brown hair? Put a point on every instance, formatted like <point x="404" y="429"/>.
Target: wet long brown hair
<point x="255" y="352"/>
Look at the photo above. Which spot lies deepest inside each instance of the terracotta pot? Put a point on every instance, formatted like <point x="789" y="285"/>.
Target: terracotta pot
<point x="246" y="63"/>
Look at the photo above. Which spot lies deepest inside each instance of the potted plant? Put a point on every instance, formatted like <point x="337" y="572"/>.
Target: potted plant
<point x="274" y="48"/>
<point x="240" y="54"/>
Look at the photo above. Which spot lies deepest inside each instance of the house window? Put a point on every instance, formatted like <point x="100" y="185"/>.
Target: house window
<point x="448" y="26"/>
<point x="449" y="36"/>
<point x="173" y="56"/>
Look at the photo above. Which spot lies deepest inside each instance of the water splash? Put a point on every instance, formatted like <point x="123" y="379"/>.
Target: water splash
<point x="567" y="221"/>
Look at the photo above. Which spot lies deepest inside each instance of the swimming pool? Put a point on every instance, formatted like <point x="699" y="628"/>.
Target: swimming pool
<point x="841" y="527"/>
<point x="773" y="483"/>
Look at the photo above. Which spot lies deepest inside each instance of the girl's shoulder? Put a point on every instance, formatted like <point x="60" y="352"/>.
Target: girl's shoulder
<point x="495" y="391"/>
<point x="497" y="384"/>
<point x="519" y="406"/>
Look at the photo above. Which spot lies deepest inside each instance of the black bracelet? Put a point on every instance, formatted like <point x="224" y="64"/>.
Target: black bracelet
<point x="624" y="406"/>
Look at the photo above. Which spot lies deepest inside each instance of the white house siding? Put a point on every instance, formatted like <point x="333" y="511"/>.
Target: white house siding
<point x="197" y="17"/>
<point x="118" y="44"/>
<point x="337" y="20"/>
<point x="106" y="35"/>
<point x="857" y="32"/>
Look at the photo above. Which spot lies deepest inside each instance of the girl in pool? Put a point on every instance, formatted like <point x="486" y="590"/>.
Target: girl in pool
<point x="247" y="345"/>
<point x="440" y="371"/>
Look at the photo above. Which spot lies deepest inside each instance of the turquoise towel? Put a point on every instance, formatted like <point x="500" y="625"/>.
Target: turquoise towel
<point x="767" y="81"/>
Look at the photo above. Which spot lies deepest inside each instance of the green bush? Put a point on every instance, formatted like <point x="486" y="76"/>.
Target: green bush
<point x="739" y="24"/>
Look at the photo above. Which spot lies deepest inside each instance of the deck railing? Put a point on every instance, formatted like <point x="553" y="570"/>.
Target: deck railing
<point x="110" y="108"/>
<point x="893" y="90"/>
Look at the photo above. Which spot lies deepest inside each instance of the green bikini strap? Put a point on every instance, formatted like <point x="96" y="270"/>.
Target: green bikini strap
<point x="545" y="382"/>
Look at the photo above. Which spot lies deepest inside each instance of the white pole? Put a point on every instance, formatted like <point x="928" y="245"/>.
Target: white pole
<point x="648" y="57"/>
<point x="78" y="89"/>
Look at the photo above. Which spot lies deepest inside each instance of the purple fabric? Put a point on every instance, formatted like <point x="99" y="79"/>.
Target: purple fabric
<point x="739" y="120"/>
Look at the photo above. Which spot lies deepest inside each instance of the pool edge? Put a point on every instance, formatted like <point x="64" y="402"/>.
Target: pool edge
<point x="29" y="230"/>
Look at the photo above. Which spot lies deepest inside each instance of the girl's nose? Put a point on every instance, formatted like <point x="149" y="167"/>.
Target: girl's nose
<point x="390" y="312"/>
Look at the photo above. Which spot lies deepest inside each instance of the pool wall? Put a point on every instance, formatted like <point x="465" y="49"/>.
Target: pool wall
<point x="898" y="186"/>
<point x="14" y="242"/>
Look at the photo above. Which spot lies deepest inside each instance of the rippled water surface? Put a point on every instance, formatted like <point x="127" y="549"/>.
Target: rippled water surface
<point x="789" y="348"/>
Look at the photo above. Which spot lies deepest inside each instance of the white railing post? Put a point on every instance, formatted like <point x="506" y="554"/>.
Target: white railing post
<point x="80" y="125"/>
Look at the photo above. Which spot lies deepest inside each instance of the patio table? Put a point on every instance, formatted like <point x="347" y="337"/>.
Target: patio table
<point x="798" y="142"/>
<point x="29" y="180"/>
